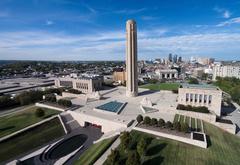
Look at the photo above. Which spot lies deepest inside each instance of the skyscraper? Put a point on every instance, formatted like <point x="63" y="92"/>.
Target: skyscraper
<point x="131" y="59"/>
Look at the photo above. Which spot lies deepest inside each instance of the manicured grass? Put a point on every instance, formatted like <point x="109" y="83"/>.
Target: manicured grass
<point x="28" y="140"/>
<point x="223" y="149"/>
<point x="181" y="119"/>
<point x="94" y="152"/>
<point x="176" y="118"/>
<point x="199" y="127"/>
<point x="161" y="86"/>
<point x="193" y="123"/>
<point x="20" y="120"/>
<point x="187" y="120"/>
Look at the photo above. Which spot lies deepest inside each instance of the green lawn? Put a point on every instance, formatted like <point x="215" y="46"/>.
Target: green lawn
<point x="161" y="86"/>
<point x="20" y="120"/>
<point x="176" y="118"/>
<point x="193" y="123"/>
<point x="94" y="152"/>
<point x="199" y="127"/>
<point x="181" y="119"/>
<point x="30" y="139"/>
<point x="187" y="120"/>
<point x="223" y="149"/>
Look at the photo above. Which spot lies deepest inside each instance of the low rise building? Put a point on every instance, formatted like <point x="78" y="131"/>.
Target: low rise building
<point x="201" y="95"/>
<point x="167" y="73"/>
<point x="226" y="70"/>
<point x="83" y="84"/>
<point x="119" y="75"/>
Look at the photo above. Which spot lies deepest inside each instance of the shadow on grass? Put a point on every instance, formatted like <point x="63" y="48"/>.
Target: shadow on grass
<point x="209" y="143"/>
<point x="153" y="161"/>
<point x="155" y="149"/>
<point x="47" y="116"/>
<point x="148" y="92"/>
<point x="7" y="128"/>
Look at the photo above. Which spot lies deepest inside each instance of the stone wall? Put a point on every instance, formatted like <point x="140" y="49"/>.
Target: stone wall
<point x="174" y="137"/>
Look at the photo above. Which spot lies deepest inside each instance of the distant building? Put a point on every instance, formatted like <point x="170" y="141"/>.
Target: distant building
<point x="179" y="59"/>
<point x="167" y="73"/>
<point x="175" y="58"/>
<point x="226" y="69"/>
<point x="201" y="95"/>
<point x="83" y="84"/>
<point x="170" y="58"/>
<point x="198" y="72"/>
<point x="119" y="75"/>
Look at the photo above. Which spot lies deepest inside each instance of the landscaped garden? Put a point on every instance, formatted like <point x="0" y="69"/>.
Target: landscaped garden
<point x="14" y="122"/>
<point x="95" y="151"/>
<point x="30" y="139"/>
<point x="200" y="109"/>
<point x="161" y="86"/>
<point x="141" y="148"/>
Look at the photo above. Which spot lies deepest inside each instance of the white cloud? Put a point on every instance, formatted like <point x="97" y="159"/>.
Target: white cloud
<point x="48" y="22"/>
<point x="111" y="45"/>
<point x="224" y="13"/>
<point x="229" y="22"/>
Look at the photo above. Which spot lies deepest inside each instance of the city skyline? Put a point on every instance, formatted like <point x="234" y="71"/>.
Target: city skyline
<point x="92" y="30"/>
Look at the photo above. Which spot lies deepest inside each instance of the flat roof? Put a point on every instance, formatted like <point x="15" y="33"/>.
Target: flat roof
<point x="199" y="86"/>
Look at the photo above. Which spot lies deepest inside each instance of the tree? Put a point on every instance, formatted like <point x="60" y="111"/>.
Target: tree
<point x="50" y="98"/>
<point x="184" y="127"/>
<point x="147" y="120"/>
<point x="125" y="140"/>
<point x="142" y="146"/>
<point x="169" y="125"/>
<point x="193" y="81"/>
<point x="177" y="126"/>
<point x="161" y="123"/>
<point x="133" y="159"/>
<point x="154" y="121"/>
<point x="113" y="158"/>
<point x="139" y="118"/>
<point x="39" y="112"/>
<point x="65" y="103"/>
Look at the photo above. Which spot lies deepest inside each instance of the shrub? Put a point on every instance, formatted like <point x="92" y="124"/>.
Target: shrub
<point x="6" y="101"/>
<point x="133" y="159"/>
<point x="184" y="127"/>
<point x="125" y="140"/>
<point x="139" y="118"/>
<point x="169" y="125"/>
<point x="147" y="120"/>
<point x="154" y="121"/>
<point x="161" y="123"/>
<point x="29" y="97"/>
<point x="177" y="126"/>
<point x="50" y="98"/>
<point x="200" y="109"/>
<point x="142" y="146"/>
<point x="65" y="103"/>
<point x="74" y="91"/>
<point x="39" y="112"/>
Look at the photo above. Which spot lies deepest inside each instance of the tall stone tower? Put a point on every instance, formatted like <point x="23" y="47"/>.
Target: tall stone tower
<point x="131" y="59"/>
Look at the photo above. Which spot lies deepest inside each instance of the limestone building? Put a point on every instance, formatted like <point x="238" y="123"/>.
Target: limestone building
<point x="83" y="84"/>
<point x="201" y="95"/>
<point x="119" y="75"/>
<point x="131" y="59"/>
<point x="167" y="73"/>
<point x="226" y="70"/>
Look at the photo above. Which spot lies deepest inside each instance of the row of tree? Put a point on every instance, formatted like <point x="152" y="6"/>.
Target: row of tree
<point x="135" y="155"/>
<point x="201" y="109"/>
<point x="183" y="127"/>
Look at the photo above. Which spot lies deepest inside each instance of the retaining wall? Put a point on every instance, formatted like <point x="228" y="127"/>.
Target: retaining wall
<point x="174" y="137"/>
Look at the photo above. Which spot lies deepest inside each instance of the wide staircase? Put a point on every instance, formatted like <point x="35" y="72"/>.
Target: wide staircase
<point x="70" y="123"/>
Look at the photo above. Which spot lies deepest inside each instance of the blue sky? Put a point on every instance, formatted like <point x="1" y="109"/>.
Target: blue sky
<point x="95" y="29"/>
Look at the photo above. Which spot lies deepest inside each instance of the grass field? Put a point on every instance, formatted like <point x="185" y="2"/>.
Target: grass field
<point x="20" y="120"/>
<point x="223" y="149"/>
<point x="94" y="152"/>
<point x="30" y="139"/>
<point x="161" y="86"/>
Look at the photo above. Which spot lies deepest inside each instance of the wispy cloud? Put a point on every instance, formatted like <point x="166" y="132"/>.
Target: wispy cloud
<point x="224" y="12"/>
<point x="148" y="18"/>
<point x="110" y="45"/>
<point x="49" y="22"/>
<point x="129" y="11"/>
<point x="4" y="14"/>
<point x="229" y="22"/>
